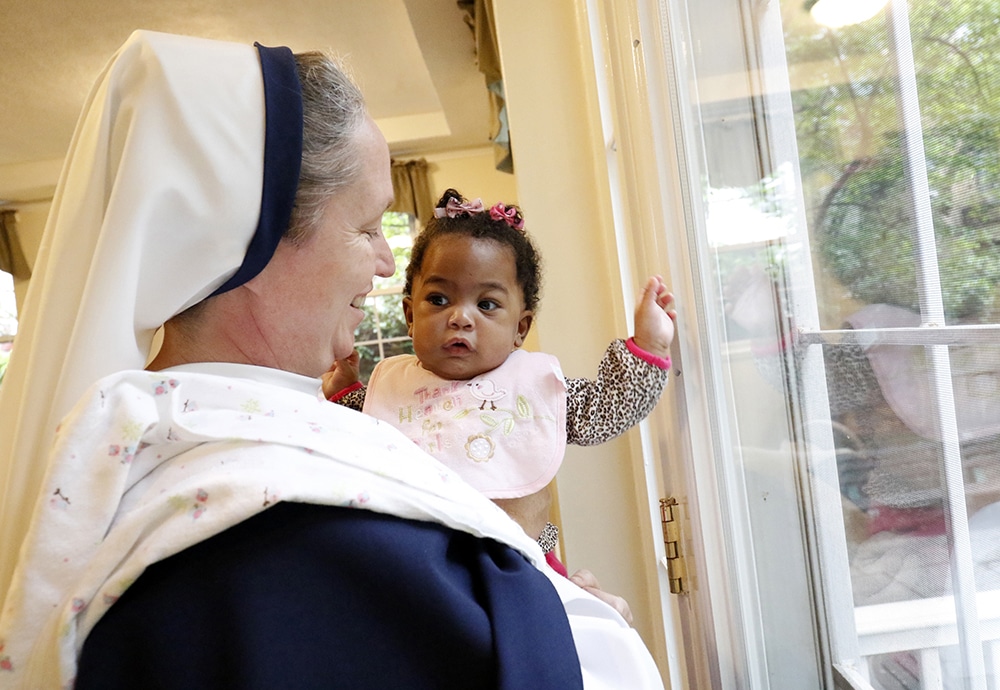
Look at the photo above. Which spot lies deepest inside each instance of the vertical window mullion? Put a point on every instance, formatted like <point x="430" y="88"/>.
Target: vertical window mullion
<point x="929" y="282"/>
<point x="932" y="314"/>
<point x="824" y="513"/>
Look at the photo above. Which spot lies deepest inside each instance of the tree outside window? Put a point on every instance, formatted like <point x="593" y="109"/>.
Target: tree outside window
<point x="383" y="332"/>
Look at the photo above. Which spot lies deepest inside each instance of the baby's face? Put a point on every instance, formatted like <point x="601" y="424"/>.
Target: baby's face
<point x="466" y="311"/>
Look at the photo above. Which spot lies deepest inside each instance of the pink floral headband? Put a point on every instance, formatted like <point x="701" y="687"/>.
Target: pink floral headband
<point x="454" y="208"/>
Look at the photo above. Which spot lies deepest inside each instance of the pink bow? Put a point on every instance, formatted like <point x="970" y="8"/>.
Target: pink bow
<point x="455" y="208"/>
<point x="511" y="214"/>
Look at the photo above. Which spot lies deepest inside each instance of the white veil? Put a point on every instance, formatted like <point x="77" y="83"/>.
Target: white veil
<point x="156" y="205"/>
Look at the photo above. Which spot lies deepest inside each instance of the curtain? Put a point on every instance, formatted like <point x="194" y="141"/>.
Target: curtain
<point x="412" y="190"/>
<point x="12" y="258"/>
<point x="480" y="19"/>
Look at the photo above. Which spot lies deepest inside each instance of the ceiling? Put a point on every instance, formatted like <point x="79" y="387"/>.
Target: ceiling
<point x="414" y="60"/>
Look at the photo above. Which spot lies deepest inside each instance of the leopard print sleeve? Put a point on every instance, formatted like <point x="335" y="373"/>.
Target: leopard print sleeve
<point x="626" y="390"/>
<point x="354" y="400"/>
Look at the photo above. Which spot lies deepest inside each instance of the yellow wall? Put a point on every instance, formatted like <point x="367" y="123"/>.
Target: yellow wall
<point x="472" y="173"/>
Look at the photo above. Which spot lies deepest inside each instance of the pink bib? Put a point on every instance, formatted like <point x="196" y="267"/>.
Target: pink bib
<point x="503" y="432"/>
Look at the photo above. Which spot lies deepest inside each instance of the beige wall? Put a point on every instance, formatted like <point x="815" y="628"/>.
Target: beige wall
<point x="472" y="173"/>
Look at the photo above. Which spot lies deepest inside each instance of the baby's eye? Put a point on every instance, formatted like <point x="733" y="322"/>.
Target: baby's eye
<point x="437" y="300"/>
<point x="488" y="305"/>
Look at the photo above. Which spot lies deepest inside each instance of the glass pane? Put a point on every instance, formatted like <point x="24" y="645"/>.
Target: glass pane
<point x="371" y="354"/>
<point x="399" y="230"/>
<point x="8" y="319"/>
<point x="392" y="324"/>
<point x="398" y="347"/>
<point x="849" y="181"/>
<point x="369" y="358"/>
<point x="368" y="330"/>
<point x="891" y="451"/>
<point x="383" y="332"/>
<point x="8" y="306"/>
<point x="896" y="134"/>
<point x="850" y="97"/>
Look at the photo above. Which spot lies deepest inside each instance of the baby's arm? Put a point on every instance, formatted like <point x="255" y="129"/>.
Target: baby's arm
<point x="630" y="378"/>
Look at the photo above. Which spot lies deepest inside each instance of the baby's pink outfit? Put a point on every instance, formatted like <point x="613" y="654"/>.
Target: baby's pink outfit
<point x="503" y="432"/>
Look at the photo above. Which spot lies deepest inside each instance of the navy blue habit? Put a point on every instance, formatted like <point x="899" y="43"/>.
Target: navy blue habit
<point x="306" y="596"/>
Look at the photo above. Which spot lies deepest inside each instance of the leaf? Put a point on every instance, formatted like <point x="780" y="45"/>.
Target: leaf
<point x="508" y="426"/>
<point x="488" y="420"/>
<point x="463" y="413"/>
<point x="523" y="408"/>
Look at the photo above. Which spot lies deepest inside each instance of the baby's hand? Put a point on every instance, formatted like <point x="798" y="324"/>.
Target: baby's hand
<point x="343" y="373"/>
<point x="654" y="318"/>
<point x="586" y="580"/>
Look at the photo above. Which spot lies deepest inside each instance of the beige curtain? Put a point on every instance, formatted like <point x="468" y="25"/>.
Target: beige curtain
<point x="412" y="190"/>
<point x="12" y="258"/>
<point x="479" y="16"/>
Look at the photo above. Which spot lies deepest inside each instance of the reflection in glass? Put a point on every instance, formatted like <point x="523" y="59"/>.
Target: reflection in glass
<point x="906" y="417"/>
<point x="855" y="175"/>
<point x="898" y="416"/>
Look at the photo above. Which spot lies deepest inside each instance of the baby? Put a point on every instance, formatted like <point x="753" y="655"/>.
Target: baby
<point x="499" y="416"/>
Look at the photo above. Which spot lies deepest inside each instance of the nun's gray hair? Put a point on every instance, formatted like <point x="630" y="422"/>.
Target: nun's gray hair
<point x="333" y="111"/>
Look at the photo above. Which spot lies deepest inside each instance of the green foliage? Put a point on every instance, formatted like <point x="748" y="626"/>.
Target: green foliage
<point x="852" y="152"/>
<point x="4" y="358"/>
<point x="398" y="231"/>
<point x="383" y="332"/>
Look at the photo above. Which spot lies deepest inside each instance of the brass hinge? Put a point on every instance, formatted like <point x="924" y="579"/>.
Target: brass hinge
<point x="676" y="568"/>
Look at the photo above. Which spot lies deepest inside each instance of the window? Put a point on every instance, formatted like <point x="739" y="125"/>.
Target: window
<point x="8" y="319"/>
<point x="841" y="193"/>
<point x="383" y="332"/>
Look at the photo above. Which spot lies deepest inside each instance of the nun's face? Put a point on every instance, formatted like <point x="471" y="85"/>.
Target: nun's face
<point x="311" y="292"/>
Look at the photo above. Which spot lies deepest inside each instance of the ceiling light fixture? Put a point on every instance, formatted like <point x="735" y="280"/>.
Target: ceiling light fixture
<point x="837" y="13"/>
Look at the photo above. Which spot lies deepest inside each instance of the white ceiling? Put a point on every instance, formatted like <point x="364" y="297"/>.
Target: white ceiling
<point x="414" y="60"/>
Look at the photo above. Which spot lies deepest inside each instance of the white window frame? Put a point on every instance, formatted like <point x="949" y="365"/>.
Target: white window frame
<point x="654" y="197"/>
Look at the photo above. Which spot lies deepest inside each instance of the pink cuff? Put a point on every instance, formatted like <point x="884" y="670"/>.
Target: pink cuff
<point x="556" y="564"/>
<point x="649" y="358"/>
<point x="344" y="391"/>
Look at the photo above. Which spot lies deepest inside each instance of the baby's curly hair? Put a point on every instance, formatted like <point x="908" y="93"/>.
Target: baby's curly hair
<point x="527" y="261"/>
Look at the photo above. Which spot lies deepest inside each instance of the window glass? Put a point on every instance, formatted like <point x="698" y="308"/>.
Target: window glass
<point x="8" y="306"/>
<point x="383" y="332"/>
<point x="846" y="205"/>
<point x="897" y="128"/>
<point x="8" y="319"/>
<point x="869" y="123"/>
